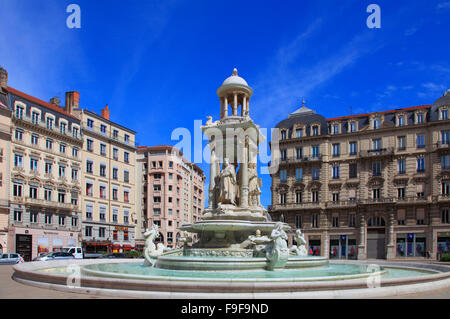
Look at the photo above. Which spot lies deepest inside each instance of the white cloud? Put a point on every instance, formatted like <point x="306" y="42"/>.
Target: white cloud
<point x="443" y="5"/>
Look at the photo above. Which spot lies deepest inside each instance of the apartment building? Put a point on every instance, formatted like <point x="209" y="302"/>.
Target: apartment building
<point x="373" y="185"/>
<point x="45" y="153"/>
<point x="5" y="143"/>
<point x="171" y="191"/>
<point x="108" y="182"/>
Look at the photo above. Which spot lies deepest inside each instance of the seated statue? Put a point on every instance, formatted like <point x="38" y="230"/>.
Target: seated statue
<point x="227" y="184"/>
<point x="300" y="248"/>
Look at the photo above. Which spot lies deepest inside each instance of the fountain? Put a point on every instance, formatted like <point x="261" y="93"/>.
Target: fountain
<point x="240" y="251"/>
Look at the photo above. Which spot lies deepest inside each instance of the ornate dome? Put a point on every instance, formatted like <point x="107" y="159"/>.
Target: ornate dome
<point x="235" y="79"/>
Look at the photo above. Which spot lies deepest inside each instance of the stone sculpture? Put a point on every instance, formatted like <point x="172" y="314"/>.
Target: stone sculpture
<point x="277" y="252"/>
<point x="151" y="251"/>
<point x="254" y="184"/>
<point x="227" y="183"/>
<point x="300" y="248"/>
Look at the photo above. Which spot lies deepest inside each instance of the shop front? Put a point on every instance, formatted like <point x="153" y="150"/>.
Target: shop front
<point x="97" y="247"/>
<point x="343" y="247"/>
<point x="411" y="245"/>
<point x="443" y="244"/>
<point x="314" y="245"/>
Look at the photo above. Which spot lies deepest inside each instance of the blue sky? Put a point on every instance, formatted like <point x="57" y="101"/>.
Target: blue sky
<point x="158" y="64"/>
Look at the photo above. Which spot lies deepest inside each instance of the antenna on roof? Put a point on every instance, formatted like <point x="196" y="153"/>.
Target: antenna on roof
<point x="351" y="111"/>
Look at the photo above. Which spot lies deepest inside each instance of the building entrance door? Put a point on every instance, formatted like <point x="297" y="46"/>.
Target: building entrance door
<point x="376" y="244"/>
<point x="23" y="246"/>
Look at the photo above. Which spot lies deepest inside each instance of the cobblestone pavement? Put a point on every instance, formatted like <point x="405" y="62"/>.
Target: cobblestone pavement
<point x="12" y="289"/>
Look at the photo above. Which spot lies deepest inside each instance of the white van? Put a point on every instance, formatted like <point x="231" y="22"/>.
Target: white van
<point x="77" y="252"/>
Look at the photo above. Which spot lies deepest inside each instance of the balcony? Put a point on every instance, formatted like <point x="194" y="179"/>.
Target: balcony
<point x="49" y="204"/>
<point x="371" y="201"/>
<point x="119" y="138"/>
<point x="442" y="145"/>
<point x="443" y="198"/>
<point x="410" y="200"/>
<point x="342" y="204"/>
<point x="292" y="206"/>
<point x="378" y="152"/>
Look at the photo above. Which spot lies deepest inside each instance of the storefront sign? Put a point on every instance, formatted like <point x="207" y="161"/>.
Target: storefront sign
<point x="121" y="228"/>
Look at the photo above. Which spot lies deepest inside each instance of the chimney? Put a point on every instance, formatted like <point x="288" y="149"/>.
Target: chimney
<point x="105" y="112"/>
<point x="55" y="100"/>
<point x="3" y="78"/>
<point x="72" y="101"/>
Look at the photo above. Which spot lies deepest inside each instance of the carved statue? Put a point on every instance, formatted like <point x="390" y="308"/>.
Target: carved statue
<point x="300" y="248"/>
<point x="151" y="251"/>
<point x="277" y="252"/>
<point x="254" y="184"/>
<point x="227" y="183"/>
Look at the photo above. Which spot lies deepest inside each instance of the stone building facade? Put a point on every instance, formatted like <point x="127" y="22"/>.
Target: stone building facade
<point x="171" y="191"/>
<point x="108" y="182"/>
<point x="45" y="166"/>
<point x="373" y="185"/>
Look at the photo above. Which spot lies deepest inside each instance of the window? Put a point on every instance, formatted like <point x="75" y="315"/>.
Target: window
<point x="103" y="129"/>
<point x="170" y="164"/>
<point x="298" y="197"/>
<point x="103" y="149"/>
<point x="17" y="190"/>
<point x="89" y="166"/>
<point x="75" y="132"/>
<point x="89" y="189"/>
<point x="115" y="154"/>
<point x="88" y="231"/>
<point x="18" y="160"/>
<point x="283" y="154"/>
<point x="102" y="191"/>
<point x="401" y="216"/>
<point x="90" y="145"/>
<point x="49" y="144"/>
<point x="115" y="194"/>
<point x="401" y="143"/>
<point x="102" y="213"/>
<point x="33" y="164"/>
<point x="126" y="139"/>
<point x="62" y="148"/>
<point x="33" y="217"/>
<point x="376" y="193"/>
<point x="115" y="173"/>
<point x="421" y="164"/>
<point x="445" y="216"/>
<point x="335" y="221"/>
<point x="445" y="137"/>
<point x="315" y="173"/>
<point x="315" y="196"/>
<point x="353" y="148"/>
<point x="420" y="141"/>
<point x="48" y="219"/>
<point x="401" y="166"/>
<point x="33" y="192"/>
<point x="49" y="123"/>
<point x="115" y="134"/>
<point x="61" y="220"/>
<point x="299" y="152"/>
<point x="298" y="222"/>
<point x="74" y="174"/>
<point x="102" y="232"/>
<point x="283" y="175"/>
<point x="376" y="123"/>
<point x="401" y="120"/>
<point x="352" y="220"/>
<point x="126" y="196"/>
<point x="336" y="150"/>
<point x="75" y="152"/>
<point x="420" y="216"/>
<point x="19" y="111"/>
<point x="299" y="132"/>
<point x="283" y="198"/>
<point x="336" y="129"/>
<point x="89" y="210"/>
<point x="103" y="170"/>
<point x="335" y="197"/>
<point x="74" y="221"/>
<point x="126" y="157"/>
<point x="401" y="193"/>
<point x="352" y="127"/>
<point x="315" y="130"/>
<point x="298" y="174"/>
<point x="445" y="188"/>
<point x="315" y="152"/>
<point x="335" y="172"/>
<point x="48" y="194"/>
<point x="126" y="176"/>
<point x="34" y="139"/>
<point x="90" y="123"/>
<point x="444" y="114"/>
<point x="62" y="171"/>
<point x="376" y="144"/>
<point x="419" y="118"/>
<point x="115" y="215"/>
<point x="157" y="211"/>
<point x="61" y="197"/>
<point x="17" y="215"/>
<point x="353" y="170"/>
<point x="315" y="221"/>
<point x="62" y="128"/>
<point x="376" y="168"/>
<point x="125" y="217"/>
<point x="445" y="161"/>
<point x="283" y="135"/>
<point x="19" y="135"/>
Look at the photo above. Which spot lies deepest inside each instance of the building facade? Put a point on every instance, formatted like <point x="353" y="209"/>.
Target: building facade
<point x="171" y="191"/>
<point x="108" y="182"/>
<point x="45" y="163"/>
<point x="374" y="185"/>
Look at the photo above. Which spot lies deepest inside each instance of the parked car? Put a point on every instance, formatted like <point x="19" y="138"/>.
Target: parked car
<point x="57" y="255"/>
<point x="77" y="252"/>
<point x="11" y="259"/>
<point x="117" y="255"/>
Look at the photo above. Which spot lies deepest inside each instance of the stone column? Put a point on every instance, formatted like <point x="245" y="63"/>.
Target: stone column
<point x="212" y="175"/>
<point x="235" y="105"/>
<point x="362" y="238"/>
<point x="221" y="108"/>
<point x="225" y="114"/>
<point x="247" y="107"/>
<point x="244" y="178"/>
<point x="244" y="106"/>
<point x="390" y="251"/>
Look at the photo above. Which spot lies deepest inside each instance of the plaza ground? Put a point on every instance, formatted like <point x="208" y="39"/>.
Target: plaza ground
<point x="12" y="289"/>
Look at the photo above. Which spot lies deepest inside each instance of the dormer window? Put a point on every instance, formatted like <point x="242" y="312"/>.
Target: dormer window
<point x="49" y="123"/>
<point x="376" y="123"/>
<point x="401" y="120"/>
<point x="35" y="117"/>
<point x="352" y="127"/>
<point x="315" y="130"/>
<point x="19" y="111"/>
<point x="299" y="132"/>
<point x="283" y="135"/>
<point x="419" y="118"/>
<point x="444" y="114"/>
<point x="335" y="128"/>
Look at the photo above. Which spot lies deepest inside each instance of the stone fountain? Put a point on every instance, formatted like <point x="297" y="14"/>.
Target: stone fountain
<point x="235" y="231"/>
